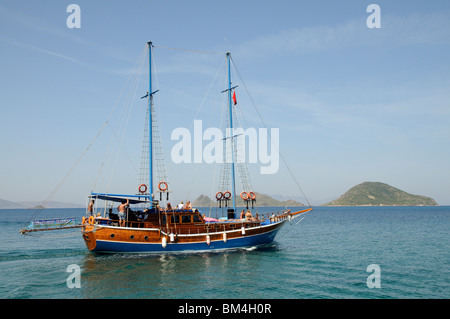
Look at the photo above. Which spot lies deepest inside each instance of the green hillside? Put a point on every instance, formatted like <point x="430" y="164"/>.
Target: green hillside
<point x="261" y="201"/>
<point x="380" y="194"/>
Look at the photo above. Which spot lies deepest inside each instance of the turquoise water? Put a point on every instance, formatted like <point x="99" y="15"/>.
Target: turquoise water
<point x="326" y="255"/>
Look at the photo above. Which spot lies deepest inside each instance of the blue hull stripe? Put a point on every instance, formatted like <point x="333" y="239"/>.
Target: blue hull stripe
<point x="104" y="246"/>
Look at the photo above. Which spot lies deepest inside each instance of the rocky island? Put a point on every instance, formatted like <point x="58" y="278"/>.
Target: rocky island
<point x="380" y="194"/>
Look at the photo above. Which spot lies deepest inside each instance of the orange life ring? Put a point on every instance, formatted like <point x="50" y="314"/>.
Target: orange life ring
<point x="252" y="195"/>
<point x="244" y="195"/>
<point x="83" y="220"/>
<point x="227" y="195"/>
<point x="219" y="195"/>
<point x="164" y="187"/>
<point x="91" y="220"/>
<point x="142" y="191"/>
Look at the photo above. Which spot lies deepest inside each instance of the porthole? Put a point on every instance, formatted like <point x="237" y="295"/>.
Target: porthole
<point x="112" y="235"/>
<point x="132" y="237"/>
<point x="146" y="237"/>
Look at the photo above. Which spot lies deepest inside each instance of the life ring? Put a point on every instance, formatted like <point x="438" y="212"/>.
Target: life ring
<point x="162" y="186"/>
<point x="142" y="191"/>
<point x="219" y="195"/>
<point x="91" y="220"/>
<point x="244" y="195"/>
<point x="252" y="195"/>
<point x="83" y="220"/>
<point x="227" y="195"/>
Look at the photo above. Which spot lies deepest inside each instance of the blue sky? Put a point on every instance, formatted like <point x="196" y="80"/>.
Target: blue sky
<point x="353" y="104"/>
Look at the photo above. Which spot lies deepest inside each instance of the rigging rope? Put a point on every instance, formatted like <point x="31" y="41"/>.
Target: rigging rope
<point x="63" y="180"/>
<point x="58" y="186"/>
<point x="196" y="114"/>
<point x="186" y="50"/>
<point x="160" y="163"/>
<point x="128" y="109"/>
<point x="268" y="131"/>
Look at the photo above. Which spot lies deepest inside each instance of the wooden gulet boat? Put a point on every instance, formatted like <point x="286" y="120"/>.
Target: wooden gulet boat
<point x="157" y="230"/>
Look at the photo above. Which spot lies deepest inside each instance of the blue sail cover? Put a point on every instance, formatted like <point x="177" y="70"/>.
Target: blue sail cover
<point x="52" y="223"/>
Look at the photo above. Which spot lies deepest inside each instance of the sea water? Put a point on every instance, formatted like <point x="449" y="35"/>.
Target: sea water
<point x="326" y="254"/>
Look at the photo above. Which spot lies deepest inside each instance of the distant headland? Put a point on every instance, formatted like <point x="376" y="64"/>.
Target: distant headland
<point x="380" y="194"/>
<point x="6" y="204"/>
<point x="261" y="201"/>
<point x="364" y="194"/>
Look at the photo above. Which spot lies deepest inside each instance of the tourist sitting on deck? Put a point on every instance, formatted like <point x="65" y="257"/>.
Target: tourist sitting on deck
<point x="133" y="216"/>
<point x="144" y="215"/>
<point x="180" y="206"/>
<point x="188" y="206"/>
<point x="243" y="214"/>
<point x="169" y="207"/>
<point x="114" y="217"/>
<point x="248" y="215"/>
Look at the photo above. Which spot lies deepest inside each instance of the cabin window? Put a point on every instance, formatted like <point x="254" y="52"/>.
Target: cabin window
<point x="175" y="219"/>
<point x="196" y="219"/>
<point x="185" y="218"/>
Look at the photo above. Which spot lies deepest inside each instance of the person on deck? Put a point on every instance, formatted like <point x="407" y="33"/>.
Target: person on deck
<point x="169" y="207"/>
<point x="180" y="206"/>
<point x="248" y="215"/>
<point x="188" y="206"/>
<point x="122" y="208"/>
<point x="91" y="207"/>
<point x="242" y="214"/>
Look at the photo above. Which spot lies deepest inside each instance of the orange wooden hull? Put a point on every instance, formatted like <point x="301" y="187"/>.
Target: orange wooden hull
<point x="190" y="237"/>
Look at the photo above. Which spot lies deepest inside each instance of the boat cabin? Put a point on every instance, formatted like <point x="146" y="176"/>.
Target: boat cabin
<point x="181" y="220"/>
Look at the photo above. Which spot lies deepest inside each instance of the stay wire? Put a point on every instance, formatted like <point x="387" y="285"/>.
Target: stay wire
<point x="58" y="186"/>
<point x="260" y="117"/>
<point x="187" y="50"/>
<point x="196" y="114"/>
<point x="63" y="180"/>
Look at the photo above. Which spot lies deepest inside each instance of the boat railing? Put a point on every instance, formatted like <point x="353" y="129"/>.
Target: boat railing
<point x="210" y="225"/>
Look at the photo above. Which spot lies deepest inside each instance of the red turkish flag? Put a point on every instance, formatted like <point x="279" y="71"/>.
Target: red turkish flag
<point x="234" y="97"/>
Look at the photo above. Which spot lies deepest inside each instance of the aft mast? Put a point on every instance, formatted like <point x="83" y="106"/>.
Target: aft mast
<point x="233" y="181"/>
<point x="150" y="129"/>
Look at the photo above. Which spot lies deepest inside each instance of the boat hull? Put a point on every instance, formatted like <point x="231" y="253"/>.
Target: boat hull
<point x="188" y="244"/>
<point x="101" y="238"/>
<point x="217" y="245"/>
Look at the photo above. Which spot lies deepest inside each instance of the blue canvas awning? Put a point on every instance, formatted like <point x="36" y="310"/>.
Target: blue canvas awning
<point x="133" y="199"/>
